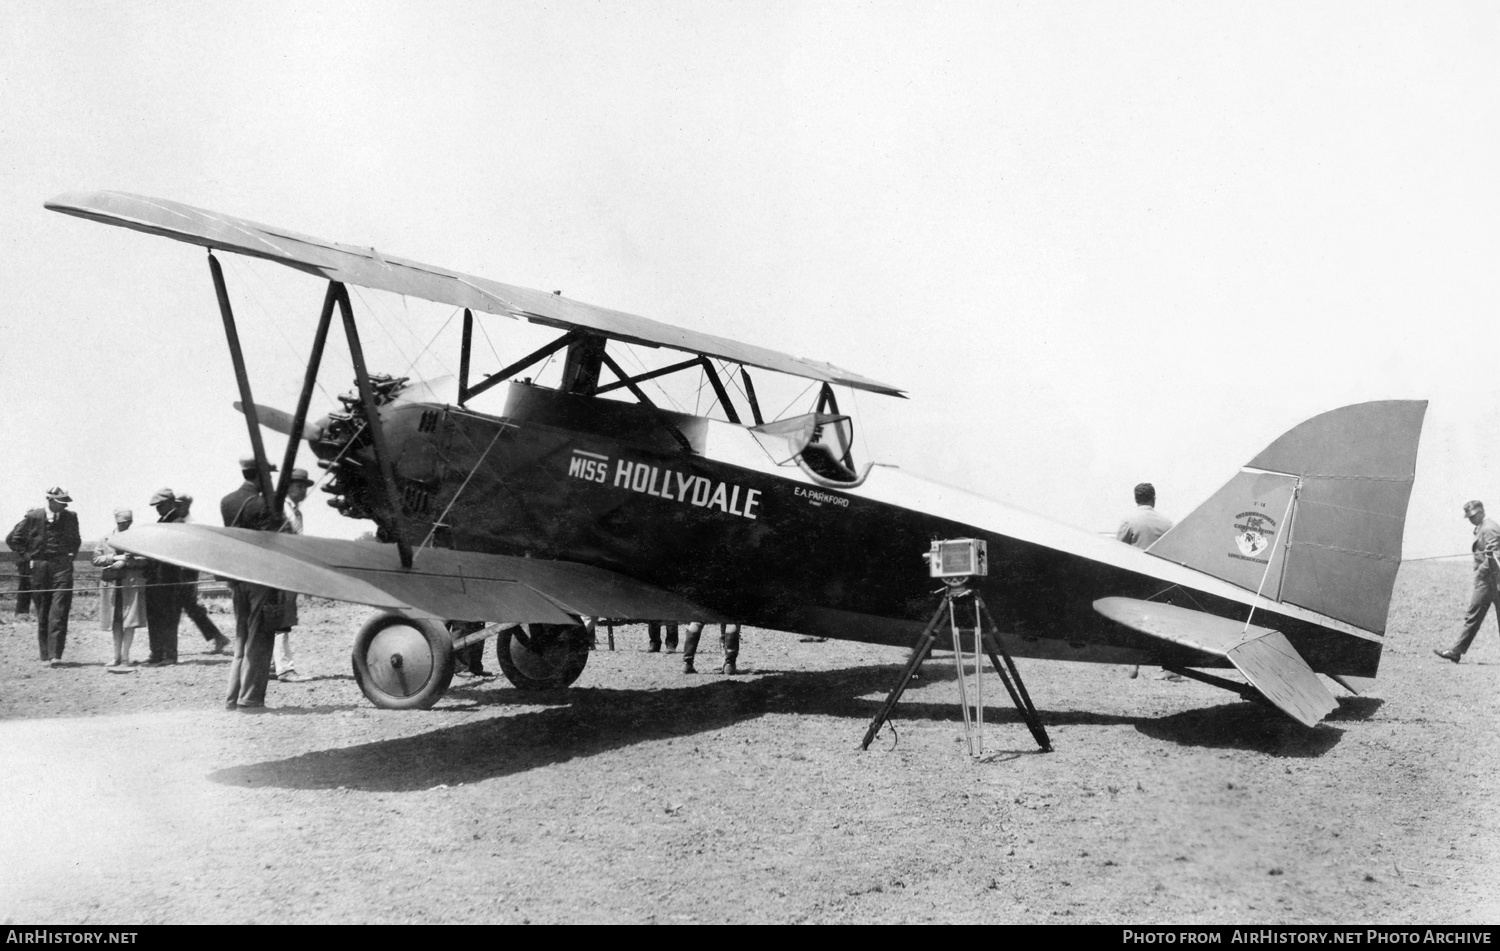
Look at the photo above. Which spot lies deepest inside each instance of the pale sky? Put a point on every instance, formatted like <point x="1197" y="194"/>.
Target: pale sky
<point x="1097" y="243"/>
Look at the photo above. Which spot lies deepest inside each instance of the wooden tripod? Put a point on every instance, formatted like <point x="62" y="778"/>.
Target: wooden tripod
<point x="987" y="638"/>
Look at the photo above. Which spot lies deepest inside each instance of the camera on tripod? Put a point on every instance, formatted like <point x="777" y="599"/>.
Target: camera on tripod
<point x="958" y="558"/>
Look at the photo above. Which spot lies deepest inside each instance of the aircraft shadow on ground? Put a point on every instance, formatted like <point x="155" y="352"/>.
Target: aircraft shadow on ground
<point x="1259" y="728"/>
<point x="1243" y="725"/>
<point x="586" y="722"/>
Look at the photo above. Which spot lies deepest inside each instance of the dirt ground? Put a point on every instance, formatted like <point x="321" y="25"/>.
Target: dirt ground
<point x="643" y="795"/>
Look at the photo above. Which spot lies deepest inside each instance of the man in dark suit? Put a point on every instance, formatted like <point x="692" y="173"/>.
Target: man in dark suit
<point x="191" y="606"/>
<point x="163" y="597"/>
<point x="49" y="539"/>
<point x="171" y="590"/>
<point x="255" y="605"/>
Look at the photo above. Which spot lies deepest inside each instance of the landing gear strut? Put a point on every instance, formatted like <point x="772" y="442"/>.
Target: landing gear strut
<point x="542" y="656"/>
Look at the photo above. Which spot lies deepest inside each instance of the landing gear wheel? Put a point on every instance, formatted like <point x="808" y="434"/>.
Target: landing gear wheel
<point x="402" y="663"/>
<point x="542" y="656"/>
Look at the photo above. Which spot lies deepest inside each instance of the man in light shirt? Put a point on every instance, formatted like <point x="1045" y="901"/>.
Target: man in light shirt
<point x="1486" y="591"/>
<point x="1142" y="527"/>
<point x="1145" y="525"/>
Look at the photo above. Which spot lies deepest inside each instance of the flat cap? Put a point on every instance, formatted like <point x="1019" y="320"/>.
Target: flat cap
<point x="124" y="515"/>
<point x="1472" y="506"/>
<point x="160" y="496"/>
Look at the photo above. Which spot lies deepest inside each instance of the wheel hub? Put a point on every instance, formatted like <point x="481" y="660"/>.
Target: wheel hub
<point x="399" y="660"/>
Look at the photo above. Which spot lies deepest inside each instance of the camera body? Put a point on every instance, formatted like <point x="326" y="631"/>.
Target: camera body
<point x="958" y="558"/>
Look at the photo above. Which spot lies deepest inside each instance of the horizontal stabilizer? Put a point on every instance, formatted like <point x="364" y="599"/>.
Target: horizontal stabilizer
<point x="1182" y="626"/>
<point x="1265" y="657"/>
<point x="444" y="584"/>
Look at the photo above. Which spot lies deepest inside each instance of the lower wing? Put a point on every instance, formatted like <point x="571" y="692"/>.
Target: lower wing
<point x="444" y="584"/>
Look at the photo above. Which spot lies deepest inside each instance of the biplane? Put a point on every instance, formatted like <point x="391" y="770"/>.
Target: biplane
<point x="569" y="502"/>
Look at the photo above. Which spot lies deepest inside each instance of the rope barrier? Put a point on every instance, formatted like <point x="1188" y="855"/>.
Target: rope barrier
<point x="94" y="588"/>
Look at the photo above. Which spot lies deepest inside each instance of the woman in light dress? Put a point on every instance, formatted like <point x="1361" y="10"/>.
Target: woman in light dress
<point x="122" y="593"/>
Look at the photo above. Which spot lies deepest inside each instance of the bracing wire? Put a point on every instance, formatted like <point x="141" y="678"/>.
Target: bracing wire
<point x="441" y="519"/>
<point x="375" y="316"/>
<point x="441" y="365"/>
<point x="795" y="399"/>
<point x="859" y="414"/>
<point x="640" y="366"/>
<point x="493" y="352"/>
<point x="545" y="363"/>
<point x="734" y="378"/>
<point x="247" y="289"/>
<point x="1283" y="546"/>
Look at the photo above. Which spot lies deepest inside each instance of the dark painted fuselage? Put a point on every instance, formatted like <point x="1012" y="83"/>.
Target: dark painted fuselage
<point x="609" y="484"/>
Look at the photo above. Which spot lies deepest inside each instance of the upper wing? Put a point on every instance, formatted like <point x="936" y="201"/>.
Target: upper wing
<point x="367" y="267"/>
<point x="452" y="585"/>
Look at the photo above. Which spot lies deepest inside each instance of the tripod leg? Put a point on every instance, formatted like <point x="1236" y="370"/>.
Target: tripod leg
<point x="978" y="676"/>
<point x="1028" y="713"/>
<point x="963" y="679"/>
<point x="919" y="653"/>
<point x="1018" y="694"/>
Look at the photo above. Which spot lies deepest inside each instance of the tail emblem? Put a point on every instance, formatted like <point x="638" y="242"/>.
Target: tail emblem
<point x="1254" y="529"/>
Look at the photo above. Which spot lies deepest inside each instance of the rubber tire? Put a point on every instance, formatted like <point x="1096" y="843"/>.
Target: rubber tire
<point x="561" y="661"/>
<point x="376" y="681"/>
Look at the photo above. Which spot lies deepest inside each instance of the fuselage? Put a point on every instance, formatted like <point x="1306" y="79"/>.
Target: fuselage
<point x="727" y="524"/>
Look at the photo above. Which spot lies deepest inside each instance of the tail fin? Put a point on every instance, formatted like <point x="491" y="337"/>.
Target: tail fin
<point x="1316" y="519"/>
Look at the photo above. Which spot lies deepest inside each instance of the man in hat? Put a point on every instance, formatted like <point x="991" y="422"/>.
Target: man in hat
<point x="254" y="604"/>
<point x="286" y="670"/>
<point x="49" y="539"/>
<point x="1486" y="548"/>
<point x="191" y="606"/>
<point x="163" y="593"/>
<point x="122" y="593"/>
<point x="171" y="590"/>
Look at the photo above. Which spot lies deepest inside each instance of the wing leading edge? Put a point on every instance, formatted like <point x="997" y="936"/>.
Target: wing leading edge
<point x="367" y="267"/>
<point x="450" y="585"/>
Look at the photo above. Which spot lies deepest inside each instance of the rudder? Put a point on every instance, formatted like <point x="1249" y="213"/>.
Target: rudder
<point x="1316" y="518"/>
